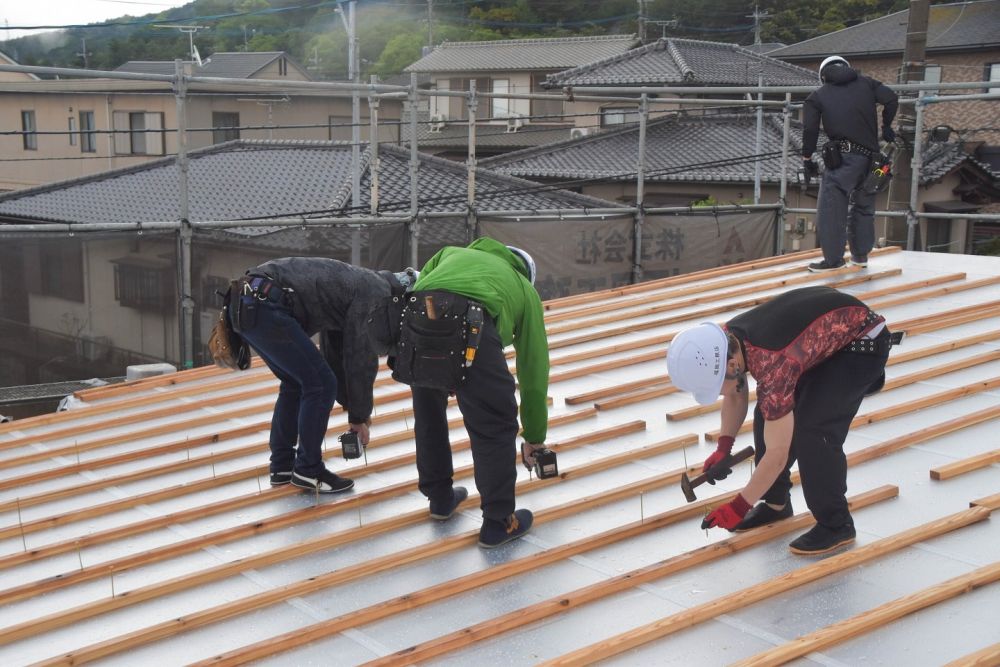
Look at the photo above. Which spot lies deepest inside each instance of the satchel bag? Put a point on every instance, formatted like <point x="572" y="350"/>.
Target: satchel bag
<point x="228" y="349"/>
<point x="831" y="155"/>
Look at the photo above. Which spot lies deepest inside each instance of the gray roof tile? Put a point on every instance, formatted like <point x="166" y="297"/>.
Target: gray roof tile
<point x="686" y="62"/>
<point x="698" y="149"/>
<point x="147" y="67"/>
<point x="225" y="64"/>
<point x="521" y="54"/>
<point x="959" y="26"/>
<point x="251" y="179"/>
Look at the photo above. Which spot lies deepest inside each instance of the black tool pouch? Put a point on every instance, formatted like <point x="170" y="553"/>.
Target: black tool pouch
<point x="432" y="340"/>
<point x="244" y="301"/>
<point x="831" y="155"/>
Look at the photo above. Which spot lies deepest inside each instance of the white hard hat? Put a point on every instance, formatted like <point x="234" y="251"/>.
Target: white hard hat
<point x="696" y="361"/>
<point x="529" y="263"/>
<point x="830" y="61"/>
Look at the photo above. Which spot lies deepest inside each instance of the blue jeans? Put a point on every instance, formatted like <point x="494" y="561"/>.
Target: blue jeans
<point x="845" y="212"/>
<point x="307" y="391"/>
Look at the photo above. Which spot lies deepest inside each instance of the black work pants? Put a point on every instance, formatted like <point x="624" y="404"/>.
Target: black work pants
<point x="489" y="409"/>
<point x="827" y="399"/>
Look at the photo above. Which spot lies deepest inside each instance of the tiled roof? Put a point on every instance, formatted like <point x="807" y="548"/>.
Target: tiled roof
<point x="250" y="179"/>
<point x="455" y="134"/>
<point x="678" y="148"/>
<point x="710" y="148"/>
<point x="959" y="26"/>
<point x="227" y="65"/>
<point x="147" y="67"/>
<point x="941" y="158"/>
<point x="521" y="54"/>
<point x="686" y="62"/>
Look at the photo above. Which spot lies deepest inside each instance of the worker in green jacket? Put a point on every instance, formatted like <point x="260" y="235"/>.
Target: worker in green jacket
<point x="501" y="279"/>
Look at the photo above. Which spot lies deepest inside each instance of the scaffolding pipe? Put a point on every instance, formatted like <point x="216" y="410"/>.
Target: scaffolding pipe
<point x="414" y="164"/>
<point x="786" y="132"/>
<point x="185" y="303"/>
<point x="640" y="191"/>
<point x="911" y="218"/>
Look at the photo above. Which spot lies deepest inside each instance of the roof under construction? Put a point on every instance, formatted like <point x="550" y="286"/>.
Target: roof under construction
<point x="140" y="527"/>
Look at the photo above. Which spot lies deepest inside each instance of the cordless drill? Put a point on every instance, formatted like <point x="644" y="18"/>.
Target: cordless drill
<point x="880" y="175"/>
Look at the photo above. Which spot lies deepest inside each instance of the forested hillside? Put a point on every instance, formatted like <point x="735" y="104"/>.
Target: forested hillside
<point x="391" y="33"/>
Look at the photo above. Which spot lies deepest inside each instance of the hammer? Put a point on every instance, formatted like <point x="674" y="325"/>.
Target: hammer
<point x="687" y="485"/>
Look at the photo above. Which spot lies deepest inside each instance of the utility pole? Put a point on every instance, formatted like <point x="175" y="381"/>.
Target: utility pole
<point x="642" y="21"/>
<point x="350" y="25"/>
<point x="84" y="53"/>
<point x="912" y="72"/>
<point x="757" y="16"/>
<point x="430" y="24"/>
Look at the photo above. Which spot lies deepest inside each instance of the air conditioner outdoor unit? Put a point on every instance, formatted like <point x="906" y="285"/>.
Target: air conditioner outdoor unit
<point x="579" y="132"/>
<point x="437" y="122"/>
<point x="515" y="122"/>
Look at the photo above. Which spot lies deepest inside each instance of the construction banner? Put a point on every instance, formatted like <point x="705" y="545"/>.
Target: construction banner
<point x="672" y="245"/>
<point x="583" y="256"/>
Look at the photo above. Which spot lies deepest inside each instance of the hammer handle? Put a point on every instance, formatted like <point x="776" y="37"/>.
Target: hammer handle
<point x="728" y="462"/>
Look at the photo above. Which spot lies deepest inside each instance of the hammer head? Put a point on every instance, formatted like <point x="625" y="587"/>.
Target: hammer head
<point x="687" y="489"/>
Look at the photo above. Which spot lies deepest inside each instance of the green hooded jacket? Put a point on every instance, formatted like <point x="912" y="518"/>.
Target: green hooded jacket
<point x="489" y="273"/>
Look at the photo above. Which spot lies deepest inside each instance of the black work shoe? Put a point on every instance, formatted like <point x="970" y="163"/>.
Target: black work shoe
<point x="763" y="514"/>
<point x="326" y="482"/>
<point x="859" y="261"/>
<point x="443" y="509"/>
<point x="820" y="539"/>
<point x="820" y="267"/>
<point x="494" y="533"/>
<point x="281" y="477"/>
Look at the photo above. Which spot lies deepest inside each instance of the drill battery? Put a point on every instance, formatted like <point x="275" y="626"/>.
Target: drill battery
<point x="545" y="463"/>
<point x="350" y="446"/>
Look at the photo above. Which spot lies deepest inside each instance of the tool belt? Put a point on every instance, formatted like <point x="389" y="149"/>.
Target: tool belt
<point x="227" y="347"/>
<point x="438" y="337"/>
<point x="848" y="146"/>
<point x="249" y="292"/>
<point x="878" y="345"/>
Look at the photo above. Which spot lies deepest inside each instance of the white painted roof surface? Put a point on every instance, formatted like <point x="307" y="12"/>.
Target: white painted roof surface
<point x="366" y="544"/>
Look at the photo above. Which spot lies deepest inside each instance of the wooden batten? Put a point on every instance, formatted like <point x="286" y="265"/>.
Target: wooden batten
<point x="977" y="462"/>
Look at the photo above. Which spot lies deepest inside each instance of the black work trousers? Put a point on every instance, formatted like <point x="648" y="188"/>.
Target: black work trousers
<point x="489" y="409"/>
<point x="827" y="399"/>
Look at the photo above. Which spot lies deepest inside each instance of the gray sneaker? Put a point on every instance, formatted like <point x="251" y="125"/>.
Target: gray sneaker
<point x="820" y="267"/>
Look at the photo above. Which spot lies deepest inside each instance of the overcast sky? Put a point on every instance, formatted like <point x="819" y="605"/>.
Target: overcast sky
<point x="68" y="12"/>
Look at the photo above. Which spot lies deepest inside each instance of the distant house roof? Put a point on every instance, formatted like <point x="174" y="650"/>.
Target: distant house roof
<point x="148" y="67"/>
<point x="960" y="26"/>
<point x="679" y="148"/>
<point x="667" y="62"/>
<point x="227" y="65"/>
<point x="521" y="54"/>
<point x="455" y="134"/>
<point x="14" y="76"/>
<point x="252" y="179"/>
<point x="688" y="148"/>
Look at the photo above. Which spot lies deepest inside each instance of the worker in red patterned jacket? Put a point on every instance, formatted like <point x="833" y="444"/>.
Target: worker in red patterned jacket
<point x="815" y="353"/>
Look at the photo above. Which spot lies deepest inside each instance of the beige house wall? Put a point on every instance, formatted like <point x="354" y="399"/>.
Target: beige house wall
<point x="56" y="158"/>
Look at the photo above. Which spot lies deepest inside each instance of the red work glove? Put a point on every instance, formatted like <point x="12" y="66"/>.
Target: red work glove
<point x="728" y="515"/>
<point x="725" y="446"/>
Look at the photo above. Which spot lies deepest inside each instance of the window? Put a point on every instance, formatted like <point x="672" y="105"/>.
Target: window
<point x="282" y="67"/>
<point x="619" y="115"/>
<point x="938" y="235"/>
<point x="88" y="139"/>
<point x="143" y="287"/>
<point x="932" y="74"/>
<point x="457" y="107"/>
<point x="500" y="106"/>
<point x="62" y="275"/>
<point x="552" y="108"/>
<point x="29" y="138"/>
<point x="138" y="133"/>
<point x="992" y="74"/>
<point x="71" y="126"/>
<point x="225" y="126"/>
